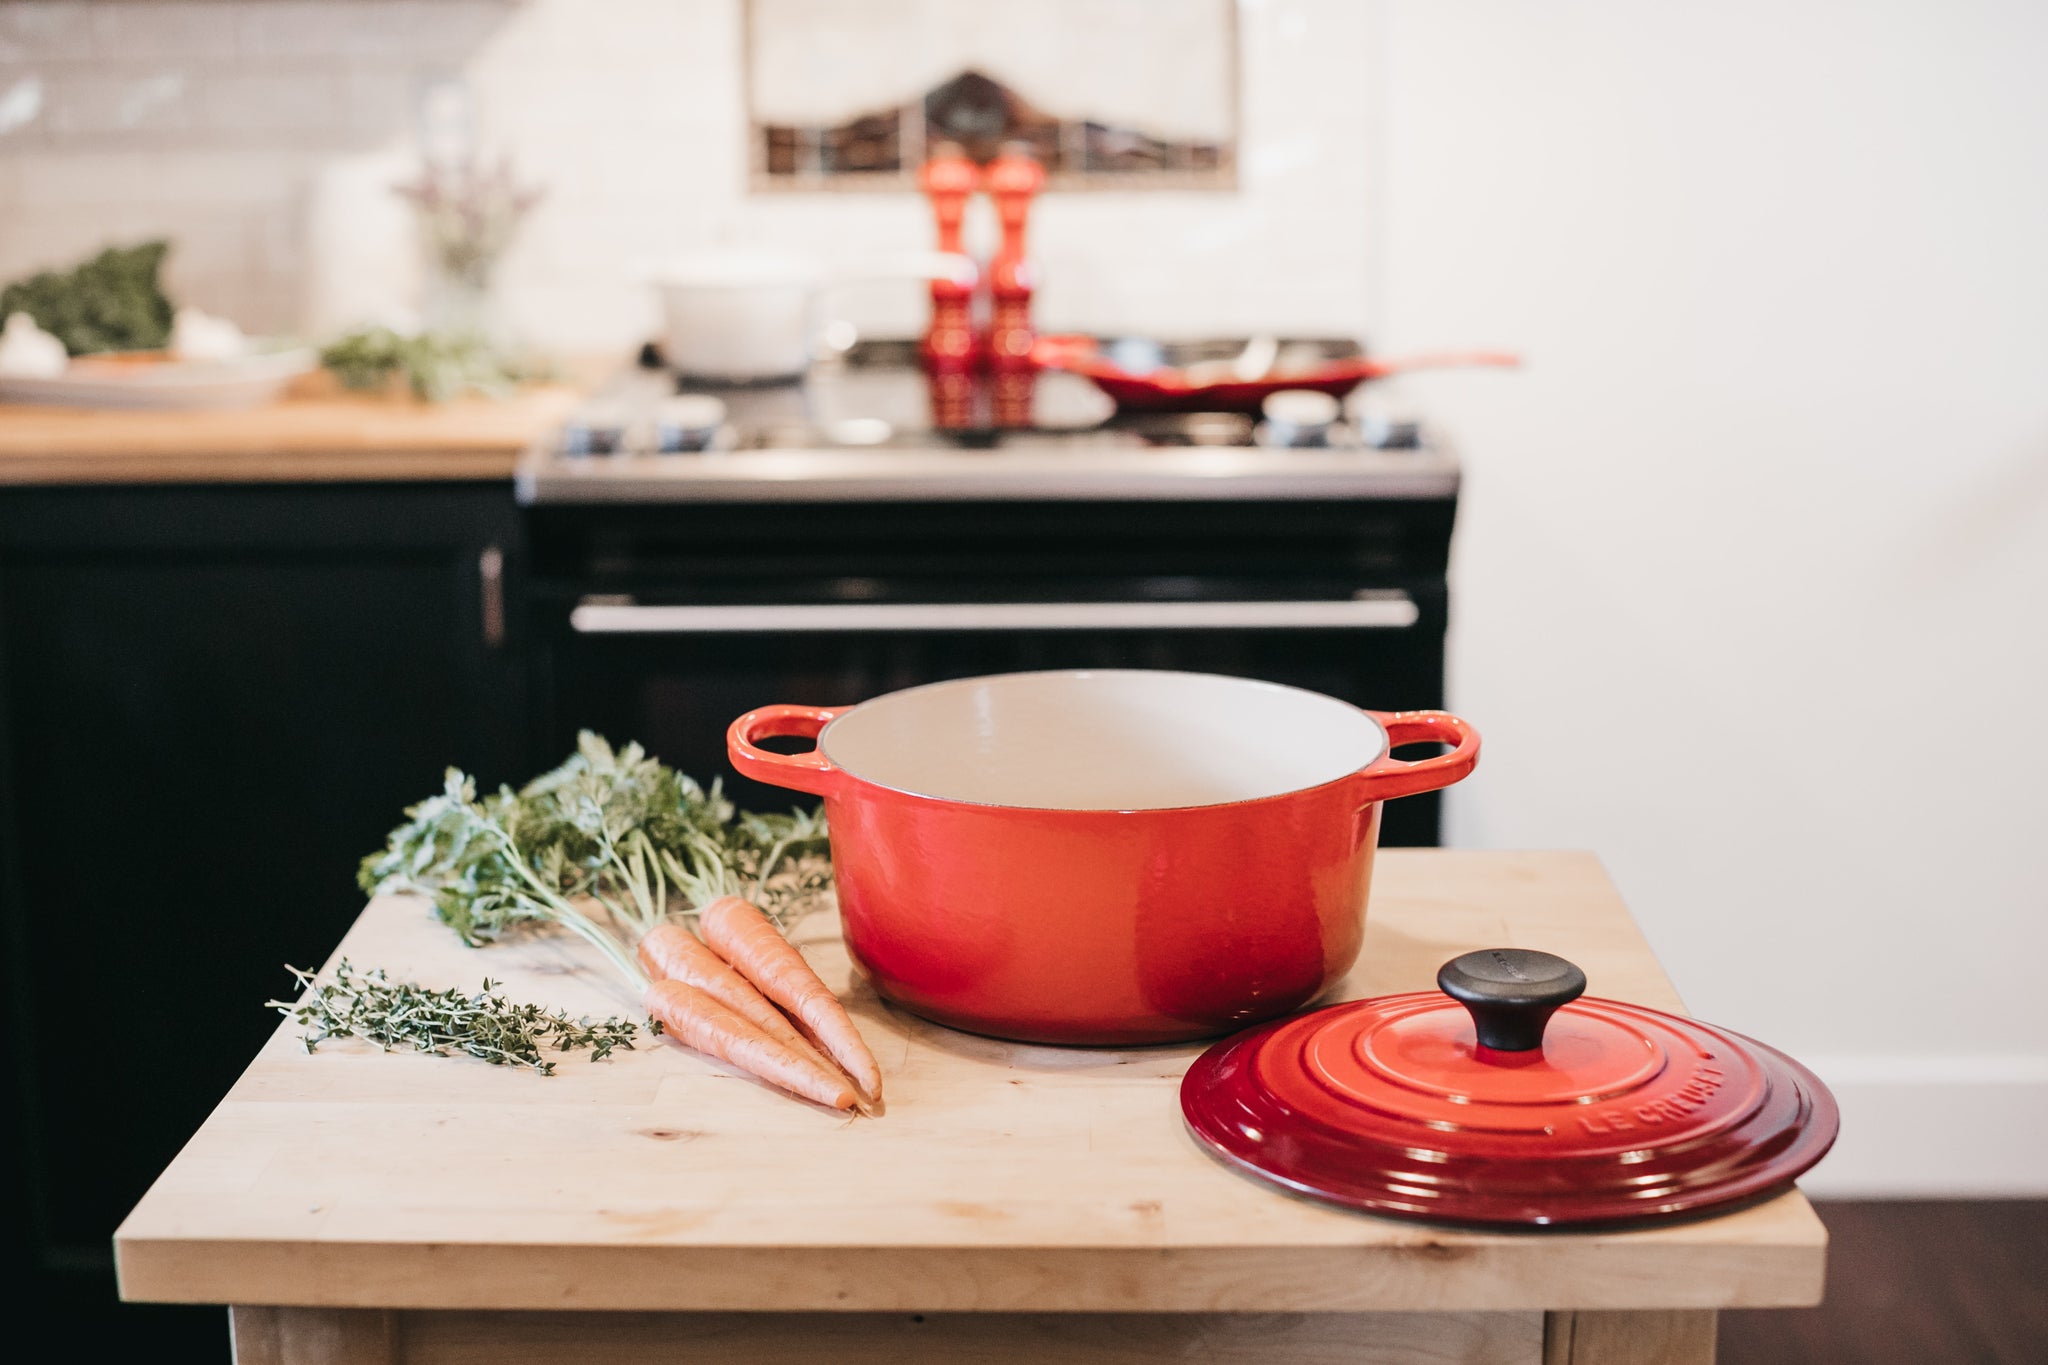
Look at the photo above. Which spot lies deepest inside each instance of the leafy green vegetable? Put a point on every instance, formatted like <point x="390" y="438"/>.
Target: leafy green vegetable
<point x="436" y="366"/>
<point x="110" y="303"/>
<point x="608" y="844"/>
<point x="405" y="1014"/>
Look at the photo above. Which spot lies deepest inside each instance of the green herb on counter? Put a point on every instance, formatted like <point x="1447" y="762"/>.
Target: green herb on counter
<point x="614" y="846"/>
<point x="404" y="1014"/>
<point x="610" y="835"/>
<point x="110" y="303"/>
<point x="435" y="366"/>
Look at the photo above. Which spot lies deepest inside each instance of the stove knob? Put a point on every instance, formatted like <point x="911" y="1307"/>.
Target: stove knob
<point x="1299" y="417"/>
<point x="1385" y="424"/>
<point x="688" y="422"/>
<point x="593" y="432"/>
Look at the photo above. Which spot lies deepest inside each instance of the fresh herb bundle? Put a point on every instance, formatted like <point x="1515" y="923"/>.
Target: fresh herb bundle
<point x="404" y="1014"/>
<point x="608" y="845"/>
<point x="112" y="302"/>
<point x="436" y="366"/>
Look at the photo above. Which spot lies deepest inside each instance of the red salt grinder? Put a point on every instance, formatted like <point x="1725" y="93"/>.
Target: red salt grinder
<point x="1013" y="179"/>
<point x="949" y="178"/>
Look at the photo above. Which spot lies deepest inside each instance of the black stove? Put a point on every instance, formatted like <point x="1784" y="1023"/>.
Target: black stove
<point x="693" y="553"/>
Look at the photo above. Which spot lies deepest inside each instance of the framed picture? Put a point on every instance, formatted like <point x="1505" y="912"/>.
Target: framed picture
<point x="1107" y="94"/>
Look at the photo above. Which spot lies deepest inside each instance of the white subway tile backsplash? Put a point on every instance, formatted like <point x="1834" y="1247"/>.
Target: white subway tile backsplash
<point x="162" y="29"/>
<point x="338" y="29"/>
<point x="266" y="135"/>
<point x="187" y="182"/>
<point x="43" y="31"/>
<point x="261" y="105"/>
<point x="286" y="28"/>
<point x="141" y="101"/>
<point x="24" y="101"/>
<point x="260" y="307"/>
<point x="456" y="28"/>
<point x="381" y="102"/>
<point x="63" y="186"/>
<point x="276" y="237"/>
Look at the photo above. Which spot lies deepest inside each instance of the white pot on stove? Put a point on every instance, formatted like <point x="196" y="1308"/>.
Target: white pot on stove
<point x="757" y="315"/>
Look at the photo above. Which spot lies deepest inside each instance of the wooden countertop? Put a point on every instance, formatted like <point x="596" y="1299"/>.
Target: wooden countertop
<point x="1004" y="1177"/>
<point x="318" y="433"/>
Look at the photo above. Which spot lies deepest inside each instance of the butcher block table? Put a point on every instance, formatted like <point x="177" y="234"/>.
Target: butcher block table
<point x="317" y="433"/>
<point x="1015" y="1203"/>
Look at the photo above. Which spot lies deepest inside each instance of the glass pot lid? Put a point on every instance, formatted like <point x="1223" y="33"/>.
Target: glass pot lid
<point x="1506" y="1098"/>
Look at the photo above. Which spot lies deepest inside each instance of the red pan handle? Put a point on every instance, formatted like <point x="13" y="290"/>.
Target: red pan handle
<point x="811" y="772"/>
<point x="1081" y="355"/>
<point x="1386" y="776"/>
<point x="1436" y="360"/>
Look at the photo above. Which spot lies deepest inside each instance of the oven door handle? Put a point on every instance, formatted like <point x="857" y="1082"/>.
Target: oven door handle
<point x="1365" y="611"/>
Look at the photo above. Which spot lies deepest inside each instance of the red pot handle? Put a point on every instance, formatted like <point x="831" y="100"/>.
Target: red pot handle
<point x="811" y="772"/>
<point x="1387" y="776"/>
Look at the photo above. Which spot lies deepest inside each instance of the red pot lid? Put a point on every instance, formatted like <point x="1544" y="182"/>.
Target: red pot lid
<point x="1506" y="1098"/>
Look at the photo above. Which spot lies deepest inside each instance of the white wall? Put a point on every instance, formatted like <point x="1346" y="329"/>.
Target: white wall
<point x="266" y="136"/>
<point x="1751" y="587"/>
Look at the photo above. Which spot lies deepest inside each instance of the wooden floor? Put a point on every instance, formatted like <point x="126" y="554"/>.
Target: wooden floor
<point x="1954" y="1282"/>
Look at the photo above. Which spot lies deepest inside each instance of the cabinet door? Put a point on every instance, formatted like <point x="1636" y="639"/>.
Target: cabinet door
<point x="214" y="703"/>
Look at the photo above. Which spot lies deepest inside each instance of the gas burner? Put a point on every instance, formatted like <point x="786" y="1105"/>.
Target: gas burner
<point x="1186" y="428"/>
<point x="1298" y="417"/>
<point x="873" y="425"/>
<point x="687" y="423"/>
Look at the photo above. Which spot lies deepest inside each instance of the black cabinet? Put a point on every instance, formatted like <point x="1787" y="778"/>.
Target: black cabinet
<point x="213" y="701"/>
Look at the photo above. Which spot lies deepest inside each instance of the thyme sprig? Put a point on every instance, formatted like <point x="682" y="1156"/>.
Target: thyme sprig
<point x="397" y="1015"/>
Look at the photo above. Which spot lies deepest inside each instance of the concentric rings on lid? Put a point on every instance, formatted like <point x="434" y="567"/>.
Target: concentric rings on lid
<point x="1619" y="1113"/>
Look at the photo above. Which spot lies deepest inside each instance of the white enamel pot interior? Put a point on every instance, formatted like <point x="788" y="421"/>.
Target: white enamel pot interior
<point x="1102" y="740"/>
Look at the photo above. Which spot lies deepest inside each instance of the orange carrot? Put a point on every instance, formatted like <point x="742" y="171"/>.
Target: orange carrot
<point x="670" y="952"/>
<point x="742" y="935"/>
<point x="693" y="1017"/>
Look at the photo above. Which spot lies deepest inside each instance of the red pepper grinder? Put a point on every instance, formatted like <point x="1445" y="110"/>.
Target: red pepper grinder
<point x="949" y="178"/>
<point x="1013" y="179"/>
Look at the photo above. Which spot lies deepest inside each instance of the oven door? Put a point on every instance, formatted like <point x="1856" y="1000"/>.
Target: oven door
<point x="673" y="674"/>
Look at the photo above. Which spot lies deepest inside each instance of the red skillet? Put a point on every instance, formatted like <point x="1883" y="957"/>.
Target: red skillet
<point x="1173" y="391"/>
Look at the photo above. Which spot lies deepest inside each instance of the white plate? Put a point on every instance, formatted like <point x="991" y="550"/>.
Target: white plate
<point x="108" y="381"/>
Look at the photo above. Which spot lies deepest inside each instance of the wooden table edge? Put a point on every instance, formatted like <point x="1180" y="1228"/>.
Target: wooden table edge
<point x="1425" y="1277"/>
<point x="491" y="464"/>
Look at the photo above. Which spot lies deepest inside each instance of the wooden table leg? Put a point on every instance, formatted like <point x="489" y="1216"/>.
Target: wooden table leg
<point x="312" y="1336"/>
<point x="1674" y="1337"/>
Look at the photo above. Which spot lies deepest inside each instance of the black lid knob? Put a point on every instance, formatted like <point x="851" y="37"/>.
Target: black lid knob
<point x="1511" y="993"/>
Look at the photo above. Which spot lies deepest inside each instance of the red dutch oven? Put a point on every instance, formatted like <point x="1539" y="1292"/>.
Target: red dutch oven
<point x="1115" y="856"/>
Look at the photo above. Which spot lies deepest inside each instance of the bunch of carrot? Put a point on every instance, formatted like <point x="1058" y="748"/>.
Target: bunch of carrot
<point x="617" y="848"/>
<point x="720" y="995"/>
